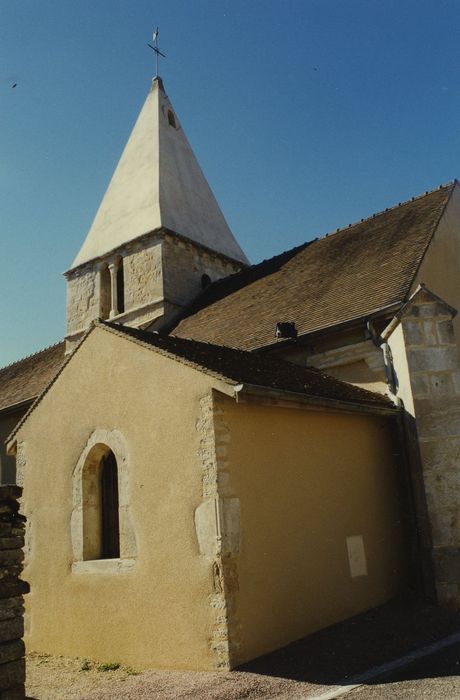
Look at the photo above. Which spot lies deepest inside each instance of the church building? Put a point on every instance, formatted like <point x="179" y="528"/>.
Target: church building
<point x="221" y="458"/>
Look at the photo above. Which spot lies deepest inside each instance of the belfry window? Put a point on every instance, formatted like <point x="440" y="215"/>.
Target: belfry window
<point x="111" y="289"/>
<point x="120" y="287"/>
<point x="171" y="119"/>
<point x="104" y="292"/>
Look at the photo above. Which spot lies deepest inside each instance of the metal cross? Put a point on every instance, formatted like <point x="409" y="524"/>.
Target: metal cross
<point x="156" y="49"/>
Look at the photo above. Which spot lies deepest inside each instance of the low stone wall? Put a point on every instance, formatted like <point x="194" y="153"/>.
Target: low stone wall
<point x="12" y="589"/>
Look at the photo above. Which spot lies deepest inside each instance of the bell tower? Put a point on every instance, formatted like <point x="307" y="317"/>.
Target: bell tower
<point x="159" y="235"/>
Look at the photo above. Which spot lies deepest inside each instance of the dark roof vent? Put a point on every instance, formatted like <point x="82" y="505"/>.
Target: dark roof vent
<point x="285" y="329"/>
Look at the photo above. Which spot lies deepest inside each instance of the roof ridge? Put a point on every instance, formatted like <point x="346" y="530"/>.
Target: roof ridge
<point x="32" y="354"/>
<point x="347" y="227"/>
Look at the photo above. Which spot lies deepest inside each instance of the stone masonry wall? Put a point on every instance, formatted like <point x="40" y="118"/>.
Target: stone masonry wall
<point x="143" y="274"/>
<point x="434" y="372"/>
<point x="82" y="299"/>
<point x="183" y="266"/>
<point x="217" y="521"/>
<point x="12" y="589"/>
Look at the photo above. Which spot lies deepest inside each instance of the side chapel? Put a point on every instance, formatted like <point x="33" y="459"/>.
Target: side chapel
<point x="221" y="458"/>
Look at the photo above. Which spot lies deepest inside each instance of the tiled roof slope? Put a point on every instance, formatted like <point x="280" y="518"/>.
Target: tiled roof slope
<point x="25" y="379"/>
<point x="349" y="274"/>
<point x="241" y="367"/>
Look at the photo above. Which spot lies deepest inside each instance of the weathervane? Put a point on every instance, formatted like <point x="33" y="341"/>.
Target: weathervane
<point x="156" y="49"/>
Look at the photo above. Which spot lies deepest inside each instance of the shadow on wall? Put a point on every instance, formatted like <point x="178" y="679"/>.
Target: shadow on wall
<point x="335" y="655"/>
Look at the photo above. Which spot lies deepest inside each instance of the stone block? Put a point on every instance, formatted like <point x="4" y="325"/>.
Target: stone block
<point x="12" y="675"/>
<point x="413" y="333"/>
<point x="11" y="607"/>
<point x="440" y="455"/>
<point x="427" y="309"/>
<point x="16" y="693"/>
<point x="11" y="570"/>
<point x="448" y="595"/>
<point x="13" y="542"/>
<point x="456" y="380"/>
<point x="445" y="527"/>
<point x="441" y="384"/>
<point x="433" y="359"/>
<point x="429" y="333"/>
<point x="420" y="384"/>
<point x="12" y="587"/>
<point x="438" y="417"/>
<point x="11" y="556"/>
<point x="446" y="334"/>
<point x="447" y="565"/>
<point x="10" y="651"/>
<point x="11" y="629"/>
<point x="442" y="488"/>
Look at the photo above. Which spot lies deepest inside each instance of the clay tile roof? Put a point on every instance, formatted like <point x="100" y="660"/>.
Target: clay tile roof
<point x="25" y="379"/>
<point x="241" y="367"/>
<point x="347" y="275"/>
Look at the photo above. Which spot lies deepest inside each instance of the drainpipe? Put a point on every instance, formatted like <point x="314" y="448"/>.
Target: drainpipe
<point x="379" y="342"/>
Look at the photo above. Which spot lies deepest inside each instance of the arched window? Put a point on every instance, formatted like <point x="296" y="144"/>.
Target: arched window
<point x="120" y="287"/>
<point x="101" y="525"/>
<point x="101" y="530"/>
<point x="205" y="281"/>
<point x="171" y="119"/>
<point x="104" y="292"/>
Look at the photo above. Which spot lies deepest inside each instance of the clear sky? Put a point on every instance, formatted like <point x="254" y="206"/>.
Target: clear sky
<point x="304" y="114"/>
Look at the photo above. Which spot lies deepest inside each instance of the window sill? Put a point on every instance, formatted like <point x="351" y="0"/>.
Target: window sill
<point x="103" y="566"/>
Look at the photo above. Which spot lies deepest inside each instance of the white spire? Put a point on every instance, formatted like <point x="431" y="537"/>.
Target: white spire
<point x="158" y="183"/>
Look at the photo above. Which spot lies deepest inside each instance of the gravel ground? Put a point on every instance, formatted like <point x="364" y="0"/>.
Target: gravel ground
<point x="62" y="678"/>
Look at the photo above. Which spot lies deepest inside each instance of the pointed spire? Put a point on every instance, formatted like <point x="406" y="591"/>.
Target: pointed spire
<point x="158" y="183"/>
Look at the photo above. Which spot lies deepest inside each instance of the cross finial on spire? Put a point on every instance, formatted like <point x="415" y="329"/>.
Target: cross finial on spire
<point x="156" y="49"/>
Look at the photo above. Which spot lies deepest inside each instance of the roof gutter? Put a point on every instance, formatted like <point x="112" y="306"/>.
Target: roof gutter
<point x="241" y="391"/>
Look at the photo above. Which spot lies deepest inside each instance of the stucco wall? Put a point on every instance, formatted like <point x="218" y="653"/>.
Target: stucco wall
<point x="306" y="482"/>
<point x="158" y="612"/>
<point x="440" y="268"/>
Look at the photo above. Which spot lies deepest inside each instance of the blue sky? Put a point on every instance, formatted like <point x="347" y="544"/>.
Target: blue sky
<point x="304" y="114"/>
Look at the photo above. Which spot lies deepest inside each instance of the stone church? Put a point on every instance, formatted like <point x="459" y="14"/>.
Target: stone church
<point x="221" y="458"/>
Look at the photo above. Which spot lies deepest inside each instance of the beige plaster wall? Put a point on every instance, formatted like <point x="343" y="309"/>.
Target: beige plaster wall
<point x="440" y="268"/>
<point x="360" y="363"/>
<point x="307" y="481"/>
<point x="397" y="344"/>
<point x="158" y="612"/>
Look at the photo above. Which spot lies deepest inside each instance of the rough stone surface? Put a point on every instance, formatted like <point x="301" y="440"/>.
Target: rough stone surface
<point x="434" y="366"/>
<point x="217" y="521"/>
<point x="162" y="272"/>
<point x="82" y="299"/>
<point x="12" y="664"/>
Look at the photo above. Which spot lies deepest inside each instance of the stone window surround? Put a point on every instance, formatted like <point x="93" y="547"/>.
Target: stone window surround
<point x="113" y="440"/>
